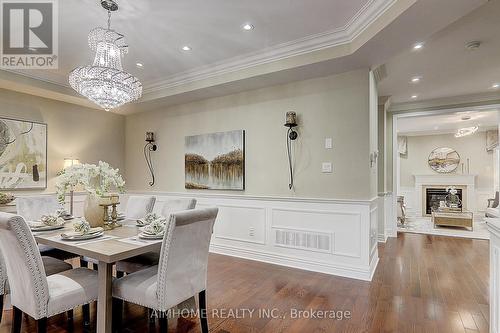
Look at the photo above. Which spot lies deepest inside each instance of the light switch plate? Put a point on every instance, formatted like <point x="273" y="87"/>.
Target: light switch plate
<point x="327" y="167"/>
<point x="328" y="143"/>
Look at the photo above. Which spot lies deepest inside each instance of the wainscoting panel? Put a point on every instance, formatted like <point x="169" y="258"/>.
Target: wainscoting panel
<point x="336" y="237"/>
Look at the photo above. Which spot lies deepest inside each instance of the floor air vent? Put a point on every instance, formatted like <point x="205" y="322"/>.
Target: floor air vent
<point x="303" y="240"/>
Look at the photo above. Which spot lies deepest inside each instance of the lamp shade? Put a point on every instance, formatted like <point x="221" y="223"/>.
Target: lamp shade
<point x="68" y="162"/>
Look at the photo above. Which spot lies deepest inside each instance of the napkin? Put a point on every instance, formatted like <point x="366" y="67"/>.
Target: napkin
<point x="155" y="228"/>
<point x="89" y="232"/>
<point x="150" y="218"/>
<point x="51" y="220"/>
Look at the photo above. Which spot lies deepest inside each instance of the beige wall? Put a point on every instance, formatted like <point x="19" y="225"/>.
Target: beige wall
<point x="335" y="106"/>
<point x="73" y="131"/>
<point x="472" y="147"/>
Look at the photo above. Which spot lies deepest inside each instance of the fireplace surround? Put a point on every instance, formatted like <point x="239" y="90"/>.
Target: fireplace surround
<point x="466" y="183"/>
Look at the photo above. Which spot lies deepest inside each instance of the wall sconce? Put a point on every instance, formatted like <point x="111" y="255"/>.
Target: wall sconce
<point x="148" y="148"/>
<point x="373" y="158"/>
<point x="291" y="135"/>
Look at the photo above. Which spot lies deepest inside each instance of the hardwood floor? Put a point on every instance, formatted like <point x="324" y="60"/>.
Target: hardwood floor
<point x="422" y="284"/>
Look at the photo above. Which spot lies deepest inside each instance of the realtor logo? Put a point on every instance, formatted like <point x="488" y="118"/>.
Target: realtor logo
<point x="29" y="34"/>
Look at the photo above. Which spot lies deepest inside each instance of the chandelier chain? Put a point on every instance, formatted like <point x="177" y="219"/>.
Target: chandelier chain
<point x="109" y="20"/>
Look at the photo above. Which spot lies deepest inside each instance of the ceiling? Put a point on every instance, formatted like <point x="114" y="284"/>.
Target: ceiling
<point x="156" y="31"/>
<point x="292" y="40"/>
<point x="446" y="66"/>
<point x="447" y="123"/>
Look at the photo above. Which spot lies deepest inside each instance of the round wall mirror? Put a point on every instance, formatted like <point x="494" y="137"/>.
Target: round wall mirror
<point x="444" y="160"/>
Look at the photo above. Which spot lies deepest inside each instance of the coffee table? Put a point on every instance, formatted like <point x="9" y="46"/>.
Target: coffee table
<point x="450" y="218"/>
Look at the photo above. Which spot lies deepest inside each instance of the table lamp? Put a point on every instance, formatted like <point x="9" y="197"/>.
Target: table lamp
<point x="69" y="162"/>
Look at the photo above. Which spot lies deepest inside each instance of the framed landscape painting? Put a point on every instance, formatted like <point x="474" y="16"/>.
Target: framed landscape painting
<point x="23" y="154"/>
<point x="215" y="161"/>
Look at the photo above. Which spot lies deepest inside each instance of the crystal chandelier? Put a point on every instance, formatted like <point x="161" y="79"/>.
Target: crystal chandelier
<point x="105" y="82"/>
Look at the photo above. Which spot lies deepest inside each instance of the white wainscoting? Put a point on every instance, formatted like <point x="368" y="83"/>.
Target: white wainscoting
<point x="387" y="224"/>
<point x="494" y="228"/>
<point x="336" y="237"/>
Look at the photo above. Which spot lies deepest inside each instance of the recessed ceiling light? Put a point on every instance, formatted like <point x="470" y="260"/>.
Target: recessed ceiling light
<point x="414" y="96"/>
<point x="496" y="86"/>
<point x="139" y="64"/>
<point x="186" y="48"/>
<point x="248" y="26"/>
<point x="418" y="46"/>
<point x="465" y="118"/>
<point x="416" y="79"/>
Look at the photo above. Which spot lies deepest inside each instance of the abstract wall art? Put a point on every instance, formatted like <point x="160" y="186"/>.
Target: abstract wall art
<point x="23" y="154"/>
<point x="215" y="161"/>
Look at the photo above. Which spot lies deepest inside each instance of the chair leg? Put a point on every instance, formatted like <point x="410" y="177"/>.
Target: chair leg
<point x="117" y="315"/>
<point x="120" y="274"/>
<point x="17" y="318"/>
<point x="203" y="311"/>
<point x="83" y="263"/>
<point x="41" y="325"/>
<point x="86" y="315"/>
<point x="70" y="316"/>
<point x="1" y="307"/>
<point x="162" y="318"/>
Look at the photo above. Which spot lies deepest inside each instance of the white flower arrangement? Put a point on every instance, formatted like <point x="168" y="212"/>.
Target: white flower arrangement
<point x="81" y="226"/>
<point x="95" y="179"/>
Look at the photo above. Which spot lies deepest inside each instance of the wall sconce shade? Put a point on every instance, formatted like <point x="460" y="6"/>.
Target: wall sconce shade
<point x="148" y="148"/>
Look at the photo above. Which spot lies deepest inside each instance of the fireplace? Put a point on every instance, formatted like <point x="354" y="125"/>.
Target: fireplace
<point x="435" y="195"/>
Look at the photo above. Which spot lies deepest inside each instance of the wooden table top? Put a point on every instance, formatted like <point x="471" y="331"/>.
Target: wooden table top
<point x="106" y="250"/>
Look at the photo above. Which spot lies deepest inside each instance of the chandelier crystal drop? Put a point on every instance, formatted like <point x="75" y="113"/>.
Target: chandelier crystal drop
<point x="105" y="82"/>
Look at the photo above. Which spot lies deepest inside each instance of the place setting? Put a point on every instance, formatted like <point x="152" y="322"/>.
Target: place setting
<point x="152" y="229"/>
<point x="49" y="222"/>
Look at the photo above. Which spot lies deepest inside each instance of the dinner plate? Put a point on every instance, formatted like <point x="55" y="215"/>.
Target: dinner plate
<point x="47" y="228"/>
<point x="73" y="236"/>
<point x="143" y="235"/>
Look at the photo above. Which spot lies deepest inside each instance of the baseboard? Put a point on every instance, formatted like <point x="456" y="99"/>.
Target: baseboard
<point x="358" y="273"/>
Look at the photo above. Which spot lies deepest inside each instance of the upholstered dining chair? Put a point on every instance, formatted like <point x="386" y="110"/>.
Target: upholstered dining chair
<point x="181" y="272"/>
<point x="32" y="292"/>
<point x="51" y="265"/>
<point x="32" y="208"/>
<point x="146" y="260"/>
<point x="139" y="206"/>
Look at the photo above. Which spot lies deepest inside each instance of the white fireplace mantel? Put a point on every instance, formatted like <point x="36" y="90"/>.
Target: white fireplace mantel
<point x="467" y="181"/>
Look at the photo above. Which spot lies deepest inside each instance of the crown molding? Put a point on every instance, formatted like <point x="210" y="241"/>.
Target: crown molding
<point x="369" y="13"/>
<point x="488" y="99"/>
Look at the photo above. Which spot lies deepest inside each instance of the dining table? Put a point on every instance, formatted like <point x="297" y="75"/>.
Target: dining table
<point x="114" y="245"/>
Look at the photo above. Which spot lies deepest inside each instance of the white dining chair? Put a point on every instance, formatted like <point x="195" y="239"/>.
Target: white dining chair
<point x="51" y="265"/>
<point x="181" y="272"/>
<point x="32" y="208"/>
<point x="146" y="260"/>
<point x="139" y="206"/>
<point x="32" y="292"/>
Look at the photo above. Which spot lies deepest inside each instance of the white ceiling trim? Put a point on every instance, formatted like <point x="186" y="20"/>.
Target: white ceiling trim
<point x="369" y="13"/>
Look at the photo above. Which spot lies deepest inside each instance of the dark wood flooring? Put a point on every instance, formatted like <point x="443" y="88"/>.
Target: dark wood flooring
<point x="422" y="284"/>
